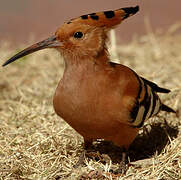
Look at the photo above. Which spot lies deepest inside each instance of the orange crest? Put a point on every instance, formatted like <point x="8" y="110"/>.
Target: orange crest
<point x="106" y="18"/>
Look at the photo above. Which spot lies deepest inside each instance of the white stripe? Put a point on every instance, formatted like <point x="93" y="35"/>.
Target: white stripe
<point x="139" y="116"/>
<point x="157" y="107"/>
<point x="151" y="106"/>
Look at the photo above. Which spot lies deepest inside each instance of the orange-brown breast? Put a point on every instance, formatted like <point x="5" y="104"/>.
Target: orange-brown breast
<point x="96" y="101"/>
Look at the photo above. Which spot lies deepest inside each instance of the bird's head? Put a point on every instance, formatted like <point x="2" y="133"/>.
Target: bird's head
<point x="84" y="36"/>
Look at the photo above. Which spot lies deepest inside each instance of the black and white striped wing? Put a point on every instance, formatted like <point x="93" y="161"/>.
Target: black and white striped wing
<point x="147" y="104"/>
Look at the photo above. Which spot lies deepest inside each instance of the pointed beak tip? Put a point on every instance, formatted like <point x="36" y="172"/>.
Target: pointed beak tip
<point x="4" y="64"/>
<point x="51" y="42"/>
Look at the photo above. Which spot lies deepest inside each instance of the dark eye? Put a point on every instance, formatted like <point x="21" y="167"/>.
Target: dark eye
<point x="78" y="35"/>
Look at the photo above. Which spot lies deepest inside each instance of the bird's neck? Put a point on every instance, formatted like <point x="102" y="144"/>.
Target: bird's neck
<point x="101" y="59"/>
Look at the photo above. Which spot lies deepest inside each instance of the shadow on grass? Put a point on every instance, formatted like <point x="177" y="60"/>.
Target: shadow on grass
<point x="144" y="146"/>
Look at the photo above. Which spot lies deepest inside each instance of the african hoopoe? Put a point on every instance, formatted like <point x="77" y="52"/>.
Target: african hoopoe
<point x="99" y="98"/>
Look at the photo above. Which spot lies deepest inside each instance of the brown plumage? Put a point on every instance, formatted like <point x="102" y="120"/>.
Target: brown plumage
<point x="98" y="98"/>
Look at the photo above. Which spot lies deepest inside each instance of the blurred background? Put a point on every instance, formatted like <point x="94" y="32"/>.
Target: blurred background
<point x="22" y="21"/>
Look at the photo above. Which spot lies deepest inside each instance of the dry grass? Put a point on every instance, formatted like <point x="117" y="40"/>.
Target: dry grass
<point x="36" y="144"/>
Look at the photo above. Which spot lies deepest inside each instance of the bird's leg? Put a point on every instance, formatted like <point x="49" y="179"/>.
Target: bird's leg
<point x="124" y="161"/>
<point x="87" y="145"/>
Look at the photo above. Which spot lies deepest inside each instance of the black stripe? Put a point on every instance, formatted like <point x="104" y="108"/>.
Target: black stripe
<point x="155" y="87"/>
<point x="109" y="14"/>
<point x="147" y="107"/>
<point x="129" y="11"/>
<point x="146" y="103"/>
<point x="140" y="87"/>
<point x="166" y="108"/>
<point x="94" y="17"/>
<point x="125" y="16"/>
<point x="84" y="17"/>
<point x="159" y="107"/>
<point x="135" y="109"/>
<point x="134" y="112"/>
<point x="143" y="102"/>
<point x="154" y="103"/>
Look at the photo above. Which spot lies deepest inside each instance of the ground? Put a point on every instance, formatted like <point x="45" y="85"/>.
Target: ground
<point x="36" y="144"/>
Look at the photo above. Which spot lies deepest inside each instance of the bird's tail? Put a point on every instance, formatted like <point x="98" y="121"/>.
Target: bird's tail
<point x="166" y="108"/>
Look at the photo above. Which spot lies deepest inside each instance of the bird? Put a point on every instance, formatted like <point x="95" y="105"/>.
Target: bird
<point x="98" y="98"/>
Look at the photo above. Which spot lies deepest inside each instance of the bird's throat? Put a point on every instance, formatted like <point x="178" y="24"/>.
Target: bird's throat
<point x="101" y="59"/>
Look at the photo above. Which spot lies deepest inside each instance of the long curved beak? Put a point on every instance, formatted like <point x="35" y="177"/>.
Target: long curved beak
<point x="51" y="42"/>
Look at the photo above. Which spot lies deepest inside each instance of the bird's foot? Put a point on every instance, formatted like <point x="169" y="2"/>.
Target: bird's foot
<point x="81" y="160"/>
<point x="87" y="146"/>
<point x="84" y="154"/>
<point x="93" y="174"/>
<point x="123" y="167"/>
